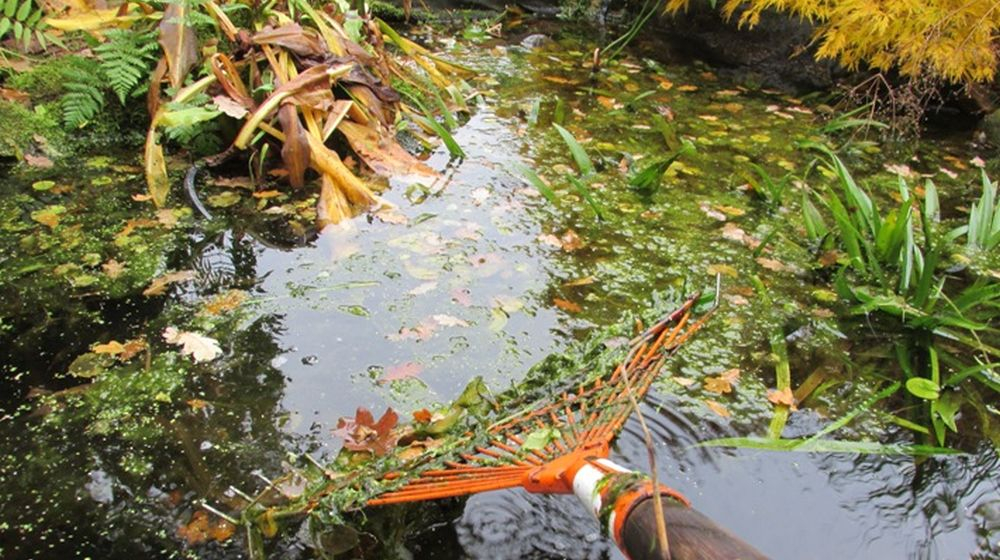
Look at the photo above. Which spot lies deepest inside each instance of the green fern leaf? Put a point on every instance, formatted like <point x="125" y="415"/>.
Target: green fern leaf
<point x="83" y="99"/>
<point x="126" y="58"/>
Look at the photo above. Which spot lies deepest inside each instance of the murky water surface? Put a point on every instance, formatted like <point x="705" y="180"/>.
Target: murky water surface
<point x="485" y="279"/>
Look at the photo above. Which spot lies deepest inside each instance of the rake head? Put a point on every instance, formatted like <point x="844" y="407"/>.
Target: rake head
<point x="580" y="426"/>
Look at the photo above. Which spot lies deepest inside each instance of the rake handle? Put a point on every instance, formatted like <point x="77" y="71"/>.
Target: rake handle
<point x="690" y="535"/>
<point x="623" y="502"/>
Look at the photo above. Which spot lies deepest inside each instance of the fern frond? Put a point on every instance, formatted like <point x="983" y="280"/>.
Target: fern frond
<point x="83" y="100"/>
<point x="126" y="57"/>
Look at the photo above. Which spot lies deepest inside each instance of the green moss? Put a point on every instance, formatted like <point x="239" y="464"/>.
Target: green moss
<point x="20" y="127"/>
<point x="46" y="81"/>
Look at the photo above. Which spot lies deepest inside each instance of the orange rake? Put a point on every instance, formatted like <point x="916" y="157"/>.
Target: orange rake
<point x="573" y="458"/>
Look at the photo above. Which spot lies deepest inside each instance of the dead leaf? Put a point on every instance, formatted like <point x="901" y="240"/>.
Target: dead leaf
<point x="733" y="232"/>
<point x="570" y="241"/>
<point x="362" y="433"/>
<point x="585" y="281"/>
<point x="159" y="285"/>
<point x="449" y="321"/>
<point x="771" y="264"/>
<point x="292" y="36"/>
<point x="723" y="269"/>
<point x="200" y="347"/>
<point x="49" y="216"/>
<point x="724" y="382"/>
<point x="717" y="408"/>
<point x="295" y="151"/>
<point x="113" y="269"/>
<point x="383" y="155"/>
<point x="783" y="397"/>
<point x="40" y="162"/>
<point x="224" y="302"/>
<point x="203" y="528"/>
<point x="407" y="370"/>
<point x="112" y="348"/>
<point x="166" y="217"/>
<point x="567" y="305"/>
<point x="683" y="381"/>
<point x="179" y="42"/>
<point x="232" y="108"/>
<point x="423" y="289"/>
<point x="423" y="416"/>
<point x="730" y="210"/>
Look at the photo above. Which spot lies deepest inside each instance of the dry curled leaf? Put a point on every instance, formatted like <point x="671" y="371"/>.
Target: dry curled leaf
<point x="423" y="416"/>
<point x="724" y="382"/>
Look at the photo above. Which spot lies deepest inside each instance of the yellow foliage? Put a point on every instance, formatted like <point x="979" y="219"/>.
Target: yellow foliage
<point x="952" y="39"/>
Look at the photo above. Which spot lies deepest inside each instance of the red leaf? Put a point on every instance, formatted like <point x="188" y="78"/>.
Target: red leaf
<point x="362" y="433"/>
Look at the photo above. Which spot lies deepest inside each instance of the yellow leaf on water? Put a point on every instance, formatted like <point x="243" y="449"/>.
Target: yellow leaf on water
<point x="200" y="347"/>
<point x="717" y="408"/>
<point x="112" y="348"/>
<point x="723" y="269"/>
<point x="159" y="285"/>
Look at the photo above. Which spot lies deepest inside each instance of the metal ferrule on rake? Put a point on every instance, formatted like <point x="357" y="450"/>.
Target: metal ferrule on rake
<point x="576" y="462"/>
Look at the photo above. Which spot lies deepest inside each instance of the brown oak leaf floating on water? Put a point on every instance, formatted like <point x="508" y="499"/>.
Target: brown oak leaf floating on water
<point x="363" y="433"/>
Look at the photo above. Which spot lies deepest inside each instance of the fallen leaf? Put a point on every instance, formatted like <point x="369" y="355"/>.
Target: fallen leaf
<point x="423" y="416"/>
<point x="226" y="301"/>
<point x="407" y="370"/>
<point x="733" y="232"/>
<point x="423" y="288"/>
<point x="267" y="194"/>
<point x="421" y="332"/>
<point x="166" y="217"/>
<point x="203" y="528"/>
<point x="391" y="215"/>
<point x="783" y="397"/>
<point x="585" y="281"/>
<point x="363" y="433"/>
<point x="449" y="321"/>
<point x="159" y="284"/>
<point x="570" y="241"/>
<point x="712" y="213"/>
<point x="731" y="210"/>
<point x="771" y="264"/>
<point x="49" y="216"/>
<point x="683" y="381"/>
<point x="567" y="305"/>
<point x="232" y="108"/>
<point x="112" y="348"/>
<point x="717" y="408"/>
<point x="687" y="88"/>
<point x="113" y="269"/>
<point x="200" y="347"/>
<point x="723" y="269"/>
<point x="40" y="162"/>
<point x="977" y="162"/>
<point x="549" y="239"/>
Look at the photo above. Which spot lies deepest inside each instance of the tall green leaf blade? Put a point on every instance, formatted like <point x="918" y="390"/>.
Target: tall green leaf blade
<point x="580" y="156"/>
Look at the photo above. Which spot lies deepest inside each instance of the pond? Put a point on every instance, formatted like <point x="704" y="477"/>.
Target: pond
<point x="483" y="277"/>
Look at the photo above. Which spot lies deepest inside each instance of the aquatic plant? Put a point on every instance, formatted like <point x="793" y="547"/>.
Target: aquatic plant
<point x="316" y="80"/>
<point x="945" y="323"/>
<point x="983" y="229"/>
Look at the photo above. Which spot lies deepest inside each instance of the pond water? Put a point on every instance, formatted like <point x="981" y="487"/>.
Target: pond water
<point x="485" y="279"/>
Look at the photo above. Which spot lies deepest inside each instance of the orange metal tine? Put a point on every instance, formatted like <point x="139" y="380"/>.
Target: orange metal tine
<point x="535" y="452"/>
<point x="536" y="460"/>
<point x="445" y="490"/>
<point x="446" y="473"/>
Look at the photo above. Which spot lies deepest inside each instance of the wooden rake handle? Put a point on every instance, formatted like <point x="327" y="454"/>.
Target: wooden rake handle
<point x="622" y="501"/>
